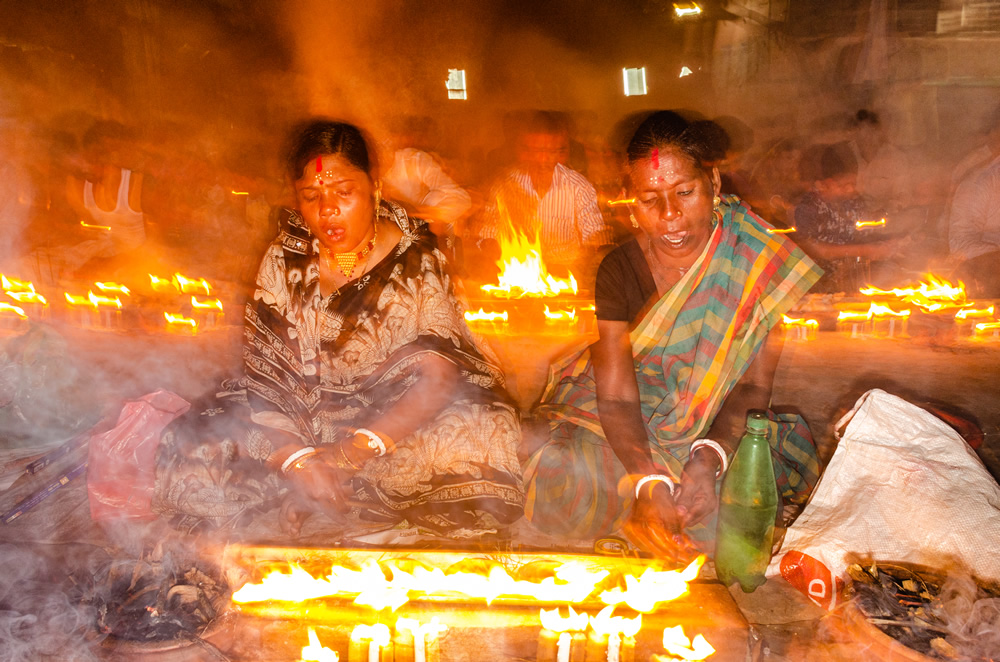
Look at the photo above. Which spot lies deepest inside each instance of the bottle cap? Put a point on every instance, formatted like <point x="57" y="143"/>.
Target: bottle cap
<point x="757" y="422"/>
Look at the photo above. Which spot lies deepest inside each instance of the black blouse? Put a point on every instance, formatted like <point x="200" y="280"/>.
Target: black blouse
<point x="625" y="287"/>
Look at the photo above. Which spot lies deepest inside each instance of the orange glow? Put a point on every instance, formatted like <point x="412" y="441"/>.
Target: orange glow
<point x="317" y="652"/>
<point x="974" y="313"/>
<point x="27" y="297"/>
<point x="10" y="308"/>
<point x="180" y="320"/>
<point x="870" y="224"/>
<point x="210" y="303"/>
<point x="189" y="285"/>
<point x="931" y="295"/>
<point x="780" y="230"/>
<point x="113" y="287"/>
<point x="483" y="316"/>
<point x="679" y="646"/>
<point x="624" y="201"/>
<point x="74" y="300"/>
<point x="653" y="587"/>
<point x="798" y="321"/>
<point x="95" y="227"/>
<point x="103" y="301"/>
<point x="568" y="315"/>
<point x="161" y="284"/>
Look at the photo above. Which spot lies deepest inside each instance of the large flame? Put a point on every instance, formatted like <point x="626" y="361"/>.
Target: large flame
<point x="317" y="652"/>
<point x="931" y="295"/>
<point x="652" y="587"/>
<point x="677" y="644"/>
<point x="523" y="273"/>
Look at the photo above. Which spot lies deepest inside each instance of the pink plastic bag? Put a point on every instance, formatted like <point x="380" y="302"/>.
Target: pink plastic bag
<point x="121" y="470"/>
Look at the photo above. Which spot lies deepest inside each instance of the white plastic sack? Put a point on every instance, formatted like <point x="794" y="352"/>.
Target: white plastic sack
<point x="901" y="486"/>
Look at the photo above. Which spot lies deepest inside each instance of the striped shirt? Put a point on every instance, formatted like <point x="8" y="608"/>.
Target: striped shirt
<point x="567" y="219"/>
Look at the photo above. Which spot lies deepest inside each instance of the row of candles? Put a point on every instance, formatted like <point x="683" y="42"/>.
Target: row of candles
<point x="935" y="296"/>
<point x="103" y="308"/>
<point x="577" y="636"/>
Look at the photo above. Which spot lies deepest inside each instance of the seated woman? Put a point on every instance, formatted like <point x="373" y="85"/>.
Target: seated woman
<point x="363" y="386"/>
<point x="683" y="314"/>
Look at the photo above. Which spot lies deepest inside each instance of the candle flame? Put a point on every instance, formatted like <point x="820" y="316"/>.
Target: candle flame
<point x="188" y="285"/>
<point x="95" y="227"/>
<point x="780" y="230"/>
<point x="483" y="316"/>
<point x="161" y="284"/>
<point x="874" y="310"/>
<point x="643" y="593"/>
<point x="14" y="285"/>
<point x="27" y="297"/>
<point x="209" y="303"/>
<point x="377" y="634"/>
<point x="622" y="201"/>
<point x="551" y="620"/>
<point x="677" y="644"/>
<point x="113" y="287"/>
<point x="180" y="320"/>
<point x="316" y="652"/>
<point x="988" y="326"/>
<point x="103" y="301"/>
<point x="682" y="9"/>
<point x="240" y="192"/>
<point x="10" y="308"/>
<point x="606" y="624"/>
<point x="870" y="224"/>
<point x="967" y="313"/>
<point x="931" y="295"/>
<point x="74" y="300"/>
<point x="569" y="315"/>
<point x="798" y="321"/>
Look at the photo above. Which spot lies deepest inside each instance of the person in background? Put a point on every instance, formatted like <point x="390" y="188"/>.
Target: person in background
<point x="732" y="170"/>
<point x="417" y="182"/>
<point x="974" y="217"/>
<point x="542" y="197"/>
<point x="635" y="433"/>
<point x="363" y="388"/>
<point x="826" y="221"/>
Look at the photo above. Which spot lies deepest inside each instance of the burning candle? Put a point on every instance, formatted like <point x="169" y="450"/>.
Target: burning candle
<point x="209" y="311"/>
<point x="425" y="639"/>
<point x="162" y="285"/>
<point x="377" y="636"/>
<point x="180" y="324"/>
<point x="86" y="307"/>
<point x="988" y="328"/>
<point x="109" y="311"/>
<point x="780" y="230"/>
<point x="880" y="312"/>
<point x="560" y="315"/>
<point x="801" y="329"/>
<point x="620" y="632"/>
<point x="858" y="321"/>
<point x="190" y="285"/>
<point x="11" y="316"/>
<point x="113" y="288"/>
<point x="316" y="652"/>
<point x="555" y="643"/>
<point x="676" y="643"/>
<point x="483" y="316"/>
<point x="861" y="225"/>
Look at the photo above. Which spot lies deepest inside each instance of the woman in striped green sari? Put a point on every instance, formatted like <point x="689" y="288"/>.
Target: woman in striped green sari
<point x="641" y="425"/>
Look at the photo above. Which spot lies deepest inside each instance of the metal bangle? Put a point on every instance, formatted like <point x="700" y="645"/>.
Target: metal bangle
<point x="655" y="478"/>
<point x="715" y="446"/>
<point x="375" y="442"/>
<point x="347" y="461"/>
<point x="295" y="457"/>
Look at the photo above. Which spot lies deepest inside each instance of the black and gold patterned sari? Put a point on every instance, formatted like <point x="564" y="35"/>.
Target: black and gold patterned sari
<point x="315" y="366"/>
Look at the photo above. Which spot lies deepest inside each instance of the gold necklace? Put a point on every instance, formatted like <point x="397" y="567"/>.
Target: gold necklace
<point x="346" y="262"/>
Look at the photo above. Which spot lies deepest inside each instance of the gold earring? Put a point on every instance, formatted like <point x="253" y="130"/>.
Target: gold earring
<point x="716" y="201"/>
<point x="378" y="197"/>
<point x="635" y="223"/>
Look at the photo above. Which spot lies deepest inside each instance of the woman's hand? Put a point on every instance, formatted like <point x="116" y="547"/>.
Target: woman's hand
<point x="318" y="485"/>
<point x="655" y="525"/>
<point x="696" y="497"/>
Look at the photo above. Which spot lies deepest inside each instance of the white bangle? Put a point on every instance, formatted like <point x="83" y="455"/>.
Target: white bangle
<point x="719" y="450"/>
<point x="297" y="455"/>
<point x="374" y="441"/>
<point x="658" y="478"/>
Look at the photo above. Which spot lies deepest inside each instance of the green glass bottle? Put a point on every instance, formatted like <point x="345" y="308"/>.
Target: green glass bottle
<point x="748" y="507"/>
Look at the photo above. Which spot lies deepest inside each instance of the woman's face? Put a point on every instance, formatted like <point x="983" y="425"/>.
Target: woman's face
<point x="674" y="206"/>
<point x="336" y="201"/>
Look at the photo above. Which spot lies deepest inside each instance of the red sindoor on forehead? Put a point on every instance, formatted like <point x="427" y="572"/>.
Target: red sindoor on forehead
<point x="319" y="164"/>
<point x="655" y="155"/>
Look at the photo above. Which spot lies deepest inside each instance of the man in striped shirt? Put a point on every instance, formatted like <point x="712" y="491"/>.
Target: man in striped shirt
<point x="542" y="197"/>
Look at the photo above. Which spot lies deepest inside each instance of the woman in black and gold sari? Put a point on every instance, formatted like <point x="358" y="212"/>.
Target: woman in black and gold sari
<point x="363" y="386"/>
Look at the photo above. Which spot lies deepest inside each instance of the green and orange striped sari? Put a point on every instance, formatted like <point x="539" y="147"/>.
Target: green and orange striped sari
<point x="690" y="350"/>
